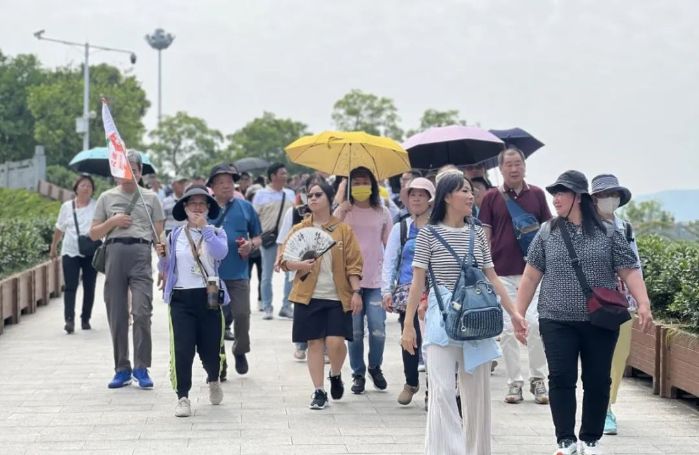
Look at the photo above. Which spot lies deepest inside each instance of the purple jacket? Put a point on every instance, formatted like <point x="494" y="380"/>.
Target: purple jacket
<point x="217" y="246"/>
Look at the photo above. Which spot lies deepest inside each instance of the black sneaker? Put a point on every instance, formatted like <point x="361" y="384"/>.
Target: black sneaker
<point x="241" y="363"/>
<point x="228" y="335"/>
<point x="85" y="324"/>
<point x="358" y="383"/>
<point x="320" y="399"/>
<point x="337" y="387"/>
<point x="69" y="327"/>
<point x="377" y="377"/>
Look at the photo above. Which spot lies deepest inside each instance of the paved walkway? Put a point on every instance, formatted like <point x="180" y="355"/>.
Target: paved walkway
<point x="54" y="399"/>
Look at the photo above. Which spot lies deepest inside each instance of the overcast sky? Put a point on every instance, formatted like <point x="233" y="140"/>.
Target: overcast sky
<point x="608" y="85"/>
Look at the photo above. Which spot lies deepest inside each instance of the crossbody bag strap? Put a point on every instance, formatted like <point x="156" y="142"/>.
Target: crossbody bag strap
<point x="403" y="241"/>
<point x="75" y="218"/>
<point x="574" y="260"/>
<point x="281" y="209"/>
<point x="195" y="252"/>
<point x="431" y="272"/>
<point x="129" y="209"/>
<point x="222" y="218"/>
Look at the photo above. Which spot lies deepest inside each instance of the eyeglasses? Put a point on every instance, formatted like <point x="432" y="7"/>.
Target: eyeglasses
<point x="316" y="195"/>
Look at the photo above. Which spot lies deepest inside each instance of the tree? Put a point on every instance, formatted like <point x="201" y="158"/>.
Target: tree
<point x="58" y="101"/>
<point x="17" y="76"/>
<point x="265" y="137"/>
<point x="360" y="111"/>
<point x="433" y="117"/>
<point x="648" y="217"/>
<point x="182" y="143"/>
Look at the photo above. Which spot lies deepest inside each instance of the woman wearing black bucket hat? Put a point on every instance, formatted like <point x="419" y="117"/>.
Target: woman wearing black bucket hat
<point x="190" y="263"/>
<point x="564" y="322"/>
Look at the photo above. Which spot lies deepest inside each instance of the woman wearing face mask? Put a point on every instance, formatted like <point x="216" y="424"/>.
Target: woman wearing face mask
<point x="609" y="196"/>
<point x="190" y="262"/>
<point x="564" y="322"/>
<point x="398" y="273"/>
<point x="371" y="222"/>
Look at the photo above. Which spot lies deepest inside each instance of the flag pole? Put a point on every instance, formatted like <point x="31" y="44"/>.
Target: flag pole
<point x="156" y="238"/>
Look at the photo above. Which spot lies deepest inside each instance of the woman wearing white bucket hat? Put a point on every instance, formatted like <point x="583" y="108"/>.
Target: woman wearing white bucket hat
<point x="609" y="195"/>
<point x="398" y="272"/>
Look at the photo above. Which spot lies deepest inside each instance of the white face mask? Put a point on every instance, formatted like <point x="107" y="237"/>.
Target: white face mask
<point x="608" y="205"/>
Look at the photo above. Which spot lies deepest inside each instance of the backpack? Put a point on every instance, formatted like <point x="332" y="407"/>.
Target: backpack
<point x="474" y="312"/>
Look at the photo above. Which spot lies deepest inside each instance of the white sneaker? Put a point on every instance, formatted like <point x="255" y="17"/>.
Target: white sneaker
<point x="300" y="354"/>
<point x="183" y="409"/>
<point x="215" y="392"/>
<point x="590" y="448"/>
<point x="567" y="447"/>
<point x="268" y="315"/>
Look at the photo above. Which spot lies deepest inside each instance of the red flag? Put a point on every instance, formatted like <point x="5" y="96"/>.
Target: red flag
<point x="118" y="162"/>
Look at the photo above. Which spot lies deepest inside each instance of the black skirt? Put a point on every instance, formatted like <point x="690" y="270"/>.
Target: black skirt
<point x="319" y="319"/>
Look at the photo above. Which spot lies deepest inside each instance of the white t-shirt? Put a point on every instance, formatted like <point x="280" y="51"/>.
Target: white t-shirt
<point x="66" y="224"/>
<point x="188" y="273"/>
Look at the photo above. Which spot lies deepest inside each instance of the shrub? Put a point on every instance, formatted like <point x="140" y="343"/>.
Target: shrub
<point x="671" y="272"/>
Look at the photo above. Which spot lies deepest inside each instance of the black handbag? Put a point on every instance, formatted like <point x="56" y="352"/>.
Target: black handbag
<point x="86" y="246"/>
<point x="607" y="308"/>
<point x="269" y="238"/>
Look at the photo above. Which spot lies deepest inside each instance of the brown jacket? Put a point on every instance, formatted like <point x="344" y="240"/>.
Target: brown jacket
<point x="346" y="261"/>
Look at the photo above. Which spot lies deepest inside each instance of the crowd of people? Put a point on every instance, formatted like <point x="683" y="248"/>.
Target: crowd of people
<point x="399" y="249"/>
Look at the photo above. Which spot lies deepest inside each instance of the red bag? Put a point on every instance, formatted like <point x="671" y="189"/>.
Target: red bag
<point x="608" y="308"/>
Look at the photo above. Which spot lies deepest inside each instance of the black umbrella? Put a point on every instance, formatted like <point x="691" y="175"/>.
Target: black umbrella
<point x="515" y="137"/>
<point x="96" y="161"/>
<point x="250" y="164"/>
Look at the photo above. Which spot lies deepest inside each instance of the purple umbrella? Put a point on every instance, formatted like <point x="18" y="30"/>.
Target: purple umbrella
<point x="516" y="137"/>
<point x="456" y="144"/>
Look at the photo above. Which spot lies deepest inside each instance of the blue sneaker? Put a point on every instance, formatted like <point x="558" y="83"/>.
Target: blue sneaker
<point x="610" y="423"/>
<point x="141" y="376"/>
<point x="121" y="379"/>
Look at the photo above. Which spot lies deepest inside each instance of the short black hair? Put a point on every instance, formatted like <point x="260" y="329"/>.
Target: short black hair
<point x="448" y="183"/>
<point x="274" y="168"/>
<point x="361" y="171"/>
<point x="510" y="149"/>
<point x="80" y="178"/>
<point x="325" y="187"/>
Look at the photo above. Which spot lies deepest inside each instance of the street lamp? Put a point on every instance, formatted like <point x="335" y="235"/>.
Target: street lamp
<point x="159" y="41"/>
<point x="82" y="124"/>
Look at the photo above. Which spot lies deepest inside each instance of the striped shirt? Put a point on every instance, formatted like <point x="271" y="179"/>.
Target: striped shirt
<point x="430" y="251"/>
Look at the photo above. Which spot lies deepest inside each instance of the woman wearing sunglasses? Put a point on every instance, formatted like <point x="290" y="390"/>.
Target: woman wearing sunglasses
<point x="327" y="296"/>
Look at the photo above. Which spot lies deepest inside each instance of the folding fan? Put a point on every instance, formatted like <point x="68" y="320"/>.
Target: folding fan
<point x="307" y="243"/>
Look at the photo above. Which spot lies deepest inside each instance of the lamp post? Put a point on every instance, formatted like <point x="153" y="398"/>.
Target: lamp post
<point x="82" y="124"/>
<point x="159" y="41"/>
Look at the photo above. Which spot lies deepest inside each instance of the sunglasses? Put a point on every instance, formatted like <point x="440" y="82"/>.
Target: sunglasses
<point x="316" y="195"/>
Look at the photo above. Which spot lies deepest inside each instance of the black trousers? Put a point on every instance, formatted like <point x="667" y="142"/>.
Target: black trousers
<point x="410" y="361"/>
<point x="193" y="327"/>
<point x="71" y="276"/>
<point x="566" y="342"/>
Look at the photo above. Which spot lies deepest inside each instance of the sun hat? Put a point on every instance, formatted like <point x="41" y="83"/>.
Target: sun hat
<point x="223" y="168"/>
<point x="178" y="212"/>
<point x="572" y="180"/>
<point x="421" y="183"/>
<point x="609" y="182"/>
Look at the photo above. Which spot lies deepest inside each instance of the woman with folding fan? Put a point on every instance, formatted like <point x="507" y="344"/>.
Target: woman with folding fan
<point x="325" y="255"/>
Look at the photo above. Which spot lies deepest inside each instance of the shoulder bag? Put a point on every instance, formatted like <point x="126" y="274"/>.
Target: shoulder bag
<point x="86" y="246"/>
<point x="269" y="238"/>
<point x="524" y="223"/>
<point x="474" y="312"/>
<point x="399" y="294"/>
<point x="607" y="308"/>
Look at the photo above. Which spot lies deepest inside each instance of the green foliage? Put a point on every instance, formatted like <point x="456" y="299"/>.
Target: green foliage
<point x="184" y="143"/>
<point x="17" y="76"/>
<point x="65" y="178"/>
<point x="671" y="272"/>
<point x="361" y="111"/>
<point x="648" y="217"/>
<point x="433" y="117"/>
<point x="265" y="137"/>
<point x="58" y="101"/>
<point x="25" y="230"/>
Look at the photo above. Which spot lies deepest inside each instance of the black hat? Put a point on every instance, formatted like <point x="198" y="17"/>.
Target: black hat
<point x="223" y="168"/>
<point x="178" y="212"/>
<point x="574" y="181"/>
<point x="609" y="182"/>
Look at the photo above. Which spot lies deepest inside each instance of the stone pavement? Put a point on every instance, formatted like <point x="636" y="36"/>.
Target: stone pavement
<point x="54" y="399"/>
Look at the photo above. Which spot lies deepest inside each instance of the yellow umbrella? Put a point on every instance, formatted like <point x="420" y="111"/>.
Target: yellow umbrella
<point x="338" y="152"/>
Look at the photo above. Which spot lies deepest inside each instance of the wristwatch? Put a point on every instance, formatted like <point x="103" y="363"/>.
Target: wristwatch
<point x="359" y="291"/>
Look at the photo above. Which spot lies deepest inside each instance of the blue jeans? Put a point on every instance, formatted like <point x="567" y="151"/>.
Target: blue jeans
<point x="286" y="304"/>
<point x="269" y="255"/>
<point x="376" y="322"/>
